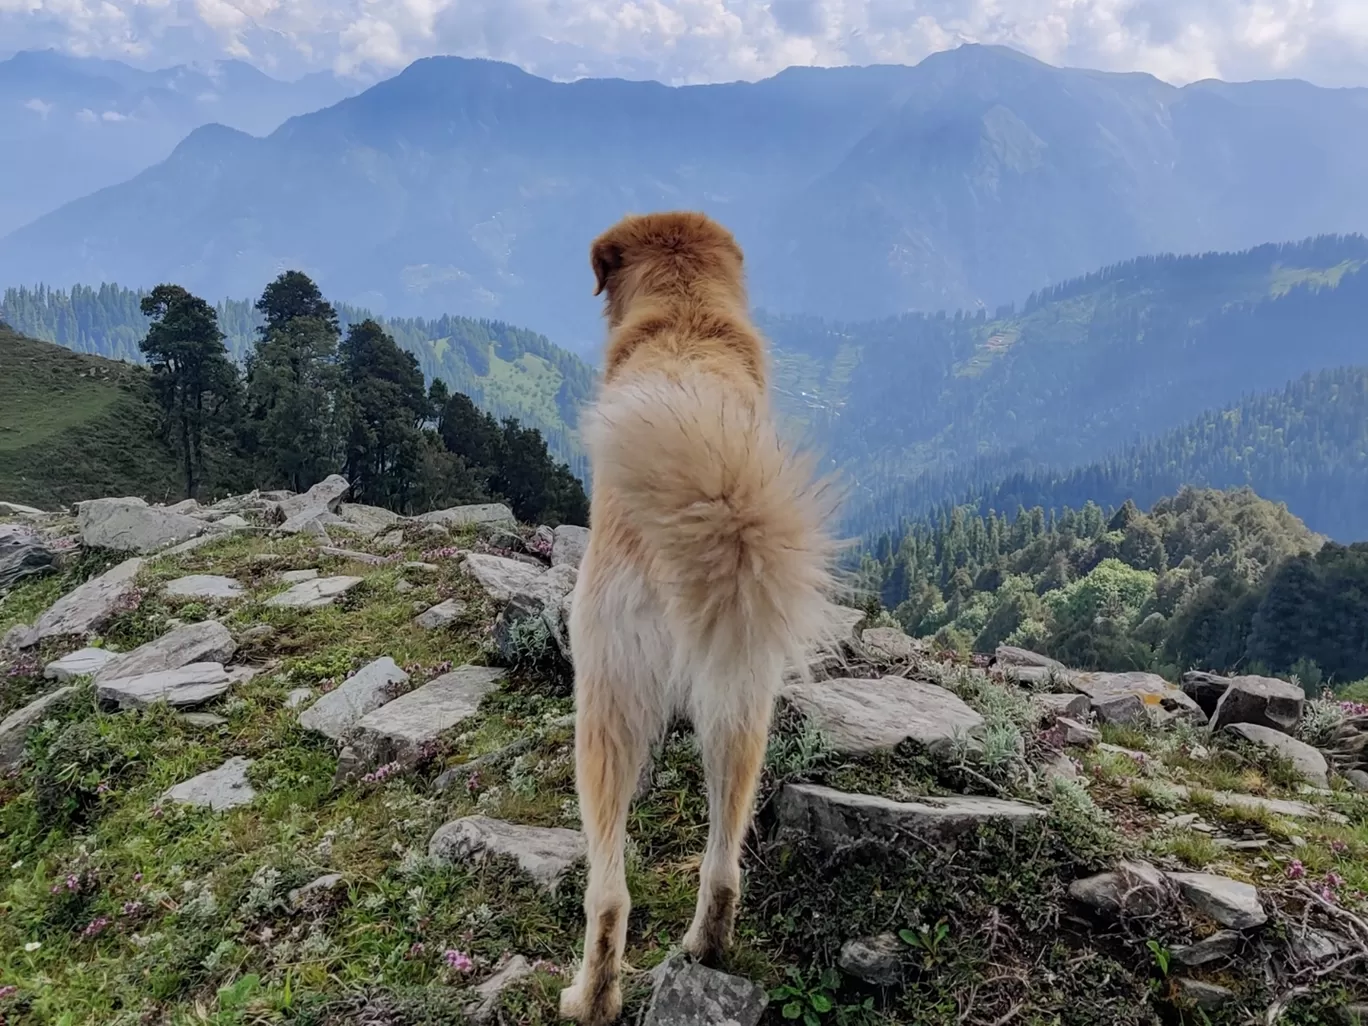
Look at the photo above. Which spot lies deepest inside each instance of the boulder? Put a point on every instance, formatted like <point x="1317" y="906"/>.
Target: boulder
<point x="499" y="576"/>
<point x="19" y="510"/>
<point x="1359" y="778"/>
<point x="23" y="554"/>
<point x="310" y="512"/>
<point x="18" y="637"/>
<point x="205" y="642"/>
<point x="1201" y="994"/>
<point x="297" y="697"/>
<point x="209" y="536"/>
<point x="208" y="587"/>
<point x="398" y="730"/>
<point x="315" y="593"/>
<point x="1076" y="733"/>
<point x="1074" y="707"/>
<point x="440" y="615"/>
<point x="1309" y="762"/>
<point x="182" y="688"/>
<point x="689" y="994"/>
<point x="367" y="521"/>
<point x="128" y="525"/>
<point x="218" y="789"/>
<point x="876" y="960"/>
<point x="1132" y="889"/>
<point x="862" y="716"/>
<point x="1205" y="689"/>
<point x="232" y="522"/>
<point x="538" y="599"/>
<point x="1221" y="944"/>
<point x="1228" y="902"/>
<point x="890" y="645"/>
<point x="84" y="662"/>
<point x="1116" y="697"/>
<point x="89" y="607"/>
<point x="835" y="818"/>
<point x="544" y="853"/>
<point x="487" y="515"/>
<point x="1266" y="701"/>
<point x="1010" y="655"/>
<point x="568" y="545"/>
<point x="365" y="691"/>
<point x="487" y="994"/>
<point x="296" y="576"/>
<point x="14" y="728"/>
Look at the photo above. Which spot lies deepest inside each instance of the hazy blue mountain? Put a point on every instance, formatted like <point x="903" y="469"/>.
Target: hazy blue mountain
<point x="72" y="125"/>
<point x="973" y="178"/>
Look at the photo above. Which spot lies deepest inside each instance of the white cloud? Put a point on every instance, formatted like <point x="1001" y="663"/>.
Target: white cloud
<point x="40" y="107"/>
<point x="113" y="115"/>
<point x="708" y="40"/>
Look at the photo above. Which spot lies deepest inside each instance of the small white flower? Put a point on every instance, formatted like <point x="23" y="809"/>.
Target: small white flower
<point x="33" y="945"/>
<point x="18" y="865"/>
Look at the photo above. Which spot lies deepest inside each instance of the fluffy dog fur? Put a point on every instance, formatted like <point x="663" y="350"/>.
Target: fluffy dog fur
<point x="706" y="575"/>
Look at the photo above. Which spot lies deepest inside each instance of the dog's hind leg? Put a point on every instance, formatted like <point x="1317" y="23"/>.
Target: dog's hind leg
<point x="610" y="749"/>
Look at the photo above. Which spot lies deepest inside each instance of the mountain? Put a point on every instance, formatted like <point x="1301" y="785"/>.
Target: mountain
<point x="73" y="125"/>
<point x="969" y="180"/>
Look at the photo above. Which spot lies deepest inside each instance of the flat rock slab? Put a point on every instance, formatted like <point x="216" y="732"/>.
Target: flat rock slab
<point x="1221" y="944"/>
<point x="1309" y="762"/>
<point x="890" y="645"/>
<point x="314" y="594"/>
<point x="861" y="716"/>
<point x="204" y="642"/>
<point x="544" y="853"/>
<point x="568" y="545"/>
<point x="365" y="691"/>
<point x="1117" y="696"/>
<point x="397" y="730"/>
<point x="492" y="514"/>
<point x="487" y="994"/>
<point x="500" y="577"/>
<point x="835" y="818"/>
<point x="211" y="587"/>
<point x="1265" y="701"/>
<point x="367" y="521"/>
<point x="1132" y="889"/>
<point x="128" y="525"/>
<point x="689" y="994"/>
<point x="182" y="688"/>
<point x="306" y="513"/>
<point x="1288" y="807"/>
<point x="1231" y="903"/>
<point x="1074" y="707"/>
<point x="84" y="662"/>
<point x="89" y="607"/>
<point x="297" y="697"/>
<point x="440" y="615"/>
<point x="23" y="554"/>
<point x="296" y="576"/>
<point x="14" y="728"/>
<point x="218" y="789"/>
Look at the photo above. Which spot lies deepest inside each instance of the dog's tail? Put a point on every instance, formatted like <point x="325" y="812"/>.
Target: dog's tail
<point x="734" y="524"/>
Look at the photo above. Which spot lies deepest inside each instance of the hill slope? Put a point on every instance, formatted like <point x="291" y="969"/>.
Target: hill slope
<point x="977" y="176"/>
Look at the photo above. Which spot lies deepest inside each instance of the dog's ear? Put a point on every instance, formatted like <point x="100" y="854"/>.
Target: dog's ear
<point x="606" y="258"/>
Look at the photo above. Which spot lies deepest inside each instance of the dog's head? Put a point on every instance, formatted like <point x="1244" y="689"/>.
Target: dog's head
<point x="659" y="254"/>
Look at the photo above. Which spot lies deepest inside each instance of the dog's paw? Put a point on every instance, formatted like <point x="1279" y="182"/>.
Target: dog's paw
<point x="706" y="943"/>
<point x="597" y="1006"/>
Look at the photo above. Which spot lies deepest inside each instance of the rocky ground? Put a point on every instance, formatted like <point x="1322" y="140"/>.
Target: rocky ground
<point x="291" y="760"/>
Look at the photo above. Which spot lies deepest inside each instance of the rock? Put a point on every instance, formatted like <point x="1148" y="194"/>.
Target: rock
<point x="1010" y="655"/>
<point x="14" y="728"/>
<point x="1122" y="711"/>
<point x="1200" y="994"/>
<point x="314" y="888"/>
<point x="1073" y="706"/>
<point x="1227" y="901"/>
<point x="1076" y="733"/>
<point x="308" y="513"/>
<point x="488" y="993"/>
<point x="390" y="542"/>
<point x="1307" y="760"/>
<point x="544" y="853"/>
<point x="1219" y="945"/>
<point x="404" y="587"/>
<point x="298" y="697"/>
<point x="421" y="567"/>
<point x="127" y="525"/>
<point x="23" y="554"/>
<point x="218" y="789"/>
<point x="1261" y="700"/>
<point x="205" y="642"/>
<point x="1059" y="767"/>
<point x="18" y="637"/>
<point x="367" y="690"/>
<point x="568" y="545"/>
<point x="18" y="510"/>
<point x="232" y="522"/>
<point x="500" y="577"/>
<point x="202" y="719"/>
<point x="84" y="662"/>
<point x="689" y="994"/>
<point x="1359" y="778"/>
<point x="489" y="515"/>
<point x="1278" y="806"/>
<point x="209" y="536"/>
<point x="1159" y="700"/>
<point x="315" y="593"/>
<point x="205" y="586"/>
<point x="440" y="615"/>
<point x="890" y="645"/>
<point x="834" y="818"/>
<point x="186" y="506"/>
<point x="257" y="632"/>
<point x="398" y="730"/>
<point x="89" y="607"/>
<point x="540" y="599"/>
<point x="1132" y="889"/>
<point x="1205" y="689"/>
<point x="862" y="716"/>
<point x="298" y="576"/>
<point x="181" y="688"/>
<point x="367" y="521"/>
<point x="1312" y="947"/>
<point x="876" y="960"/>
<point x="561" y="634"/>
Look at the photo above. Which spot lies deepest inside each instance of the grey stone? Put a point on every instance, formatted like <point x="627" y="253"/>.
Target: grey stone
<point x="834" y="818"/>
<point x="205" y="586"/>
<point x="540" y="598"/>
<point x="297" y="697"/>
<point x="1072" y="706"/>
<point x="1200" y="994"/>
<point x="218" y="789"/>
<point x="257" y="632"/>
<point x="89" y="607"/>
<point x="23" y="554"/>
<point x="18" y="637"/>
<point x="390" y="542"/>
<point x="181" y="688"/>
<point x="1132" y="889"/>
<point x="211" y="534"/>
<point x="301" y="895"/>
<point x="421" y="567"/>
<point x="1205" y="689"/>
<point x="1219" y="945"/>
<point x="397" y="730"/>
<point x="297" y="576"/>
<point x="1121" y="711"/>
<point x="1227" y="901"/>
<point x="314" y="594"/>
<point x="876" y="960"/>
<point x="404" y="587"/>
<point x="309" y="512"/>
<point x="367" y="521"/>
<point x="205" y="642"/>
<point x="689" y="994"/>
<point x="500" y="577"/>
<point x="1010" y="655"/>
<point x="84" y="662"/>
<point x="544" y="853"/>
<point x="440" y="615"/>
<point x="203" y="719"/>
<point x="1076" y="733"/>
<point x="1262" y="700"/>
<point x="1308" y="761"/>
<point x="890" y="645"/>
<point x="126" y="525"/>
<point x="493" y="514"/>
<point x="232" y="522"/>
<point x="356" y="557"/>
<point x="1059" y="767"/>
<point x="17" y="509"/>
<point x="561" y="634"/>
<point x="14" y="728"/>
<point x="367" y="690"/>
<point x="487" y="994"/>
<point x="1309" y="946"/>
<point x="186" y="506"/>
<point x="1359" y="778"/>
<point x="1160" y="701"/>
<point x="862" y="716"/>
<point x="568" y="545"/>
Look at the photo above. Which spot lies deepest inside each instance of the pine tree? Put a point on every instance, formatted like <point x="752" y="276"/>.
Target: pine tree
<point x="385" y="406"/>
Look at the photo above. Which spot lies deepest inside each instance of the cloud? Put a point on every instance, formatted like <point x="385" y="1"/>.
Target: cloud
<point x="41" y="107"/>
<point x="710" y="40"/>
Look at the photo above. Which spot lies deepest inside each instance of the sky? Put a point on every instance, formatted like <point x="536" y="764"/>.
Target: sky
<point x="1324" y="41"/>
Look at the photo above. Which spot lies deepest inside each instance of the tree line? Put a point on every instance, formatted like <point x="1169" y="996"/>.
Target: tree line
<point x="309" y="400"/>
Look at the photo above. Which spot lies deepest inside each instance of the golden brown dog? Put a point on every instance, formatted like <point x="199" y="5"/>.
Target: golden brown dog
<point x="706" y="575"/>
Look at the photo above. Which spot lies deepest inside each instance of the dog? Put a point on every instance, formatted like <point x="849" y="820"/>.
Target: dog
<point x="708" y="572"/>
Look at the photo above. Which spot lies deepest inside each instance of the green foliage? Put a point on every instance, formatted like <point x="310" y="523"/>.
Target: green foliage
<point x="807" y="999"/>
